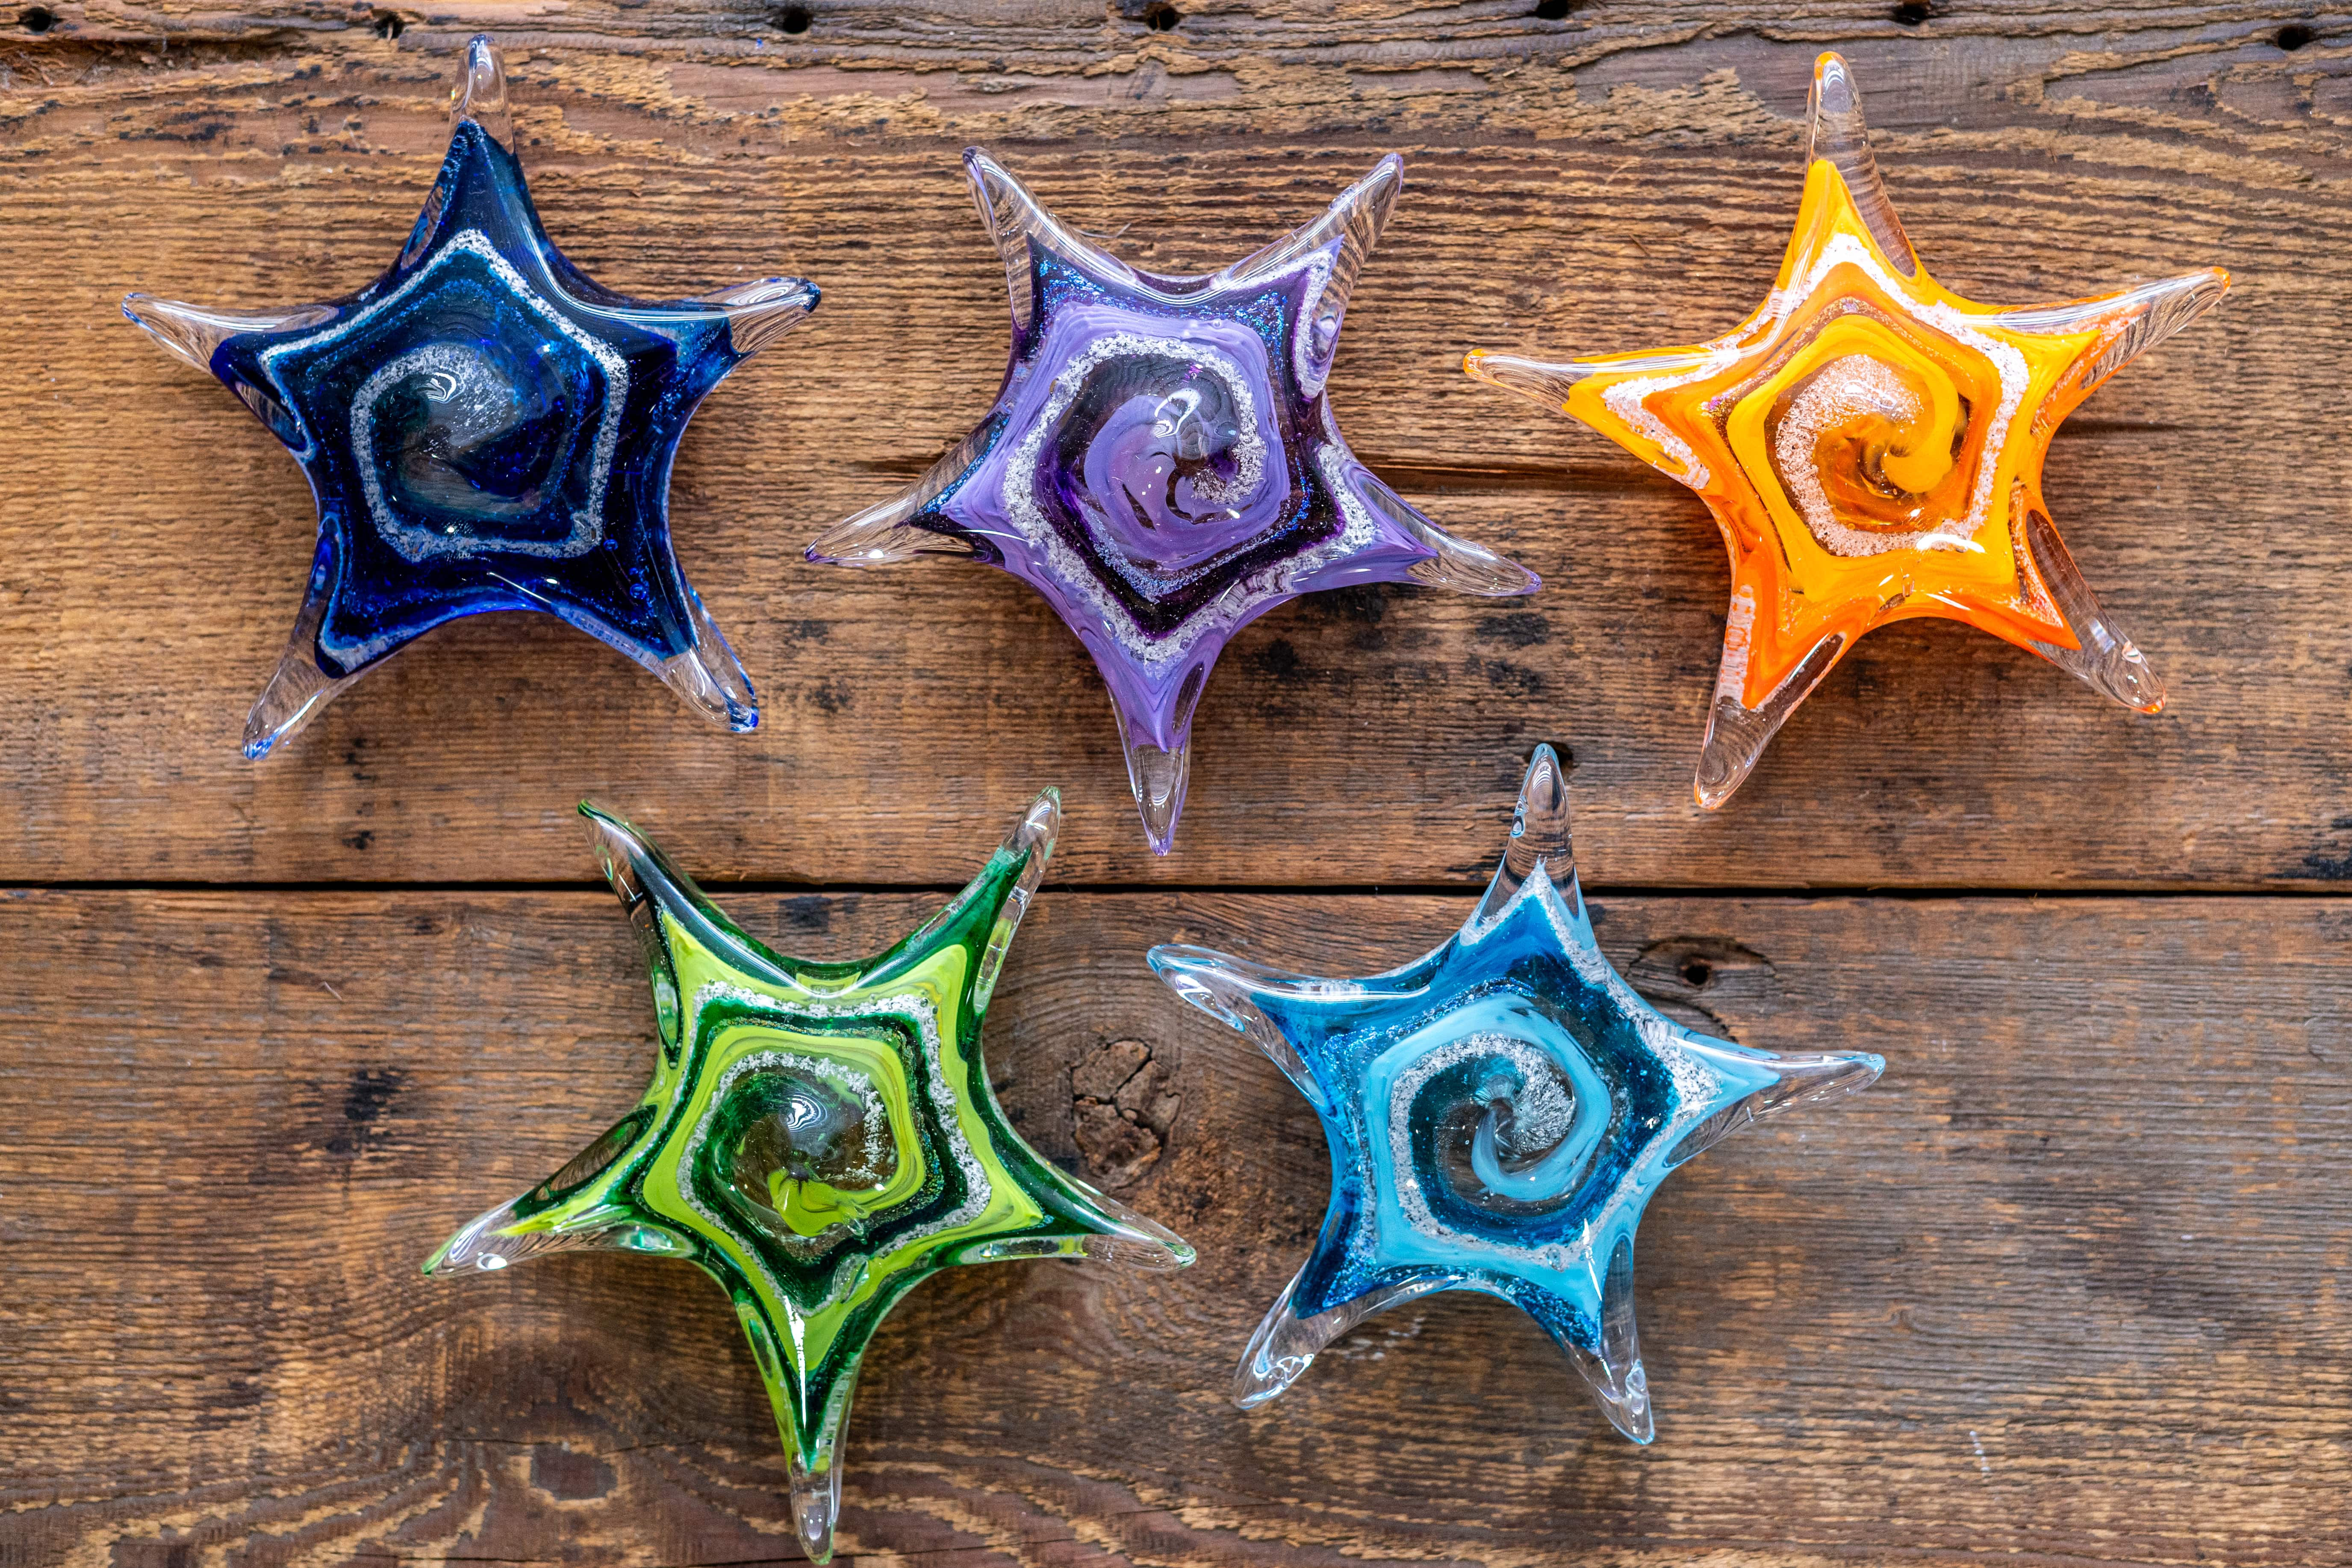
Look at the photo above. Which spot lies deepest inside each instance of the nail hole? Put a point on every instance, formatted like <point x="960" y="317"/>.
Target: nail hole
<point x="1161" y="18"/>
<point x="1552" y="10"/>
<point x="388" y="25"/>
<point x="2294" y="36"/>
<point x="38" y="19"/>
<point x="794" y="19"/>
<point x="1911" y="13"/>
<point x="1696" y="974"/>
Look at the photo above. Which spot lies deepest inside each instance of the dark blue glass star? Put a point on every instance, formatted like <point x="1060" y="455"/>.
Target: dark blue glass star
<point x="486" y="427"/>
<point x="1499" y="1113"/>
<point x="1162" y="463"/>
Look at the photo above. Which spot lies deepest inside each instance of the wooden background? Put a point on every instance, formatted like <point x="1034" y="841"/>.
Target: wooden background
<point x="2067" y="1287"/>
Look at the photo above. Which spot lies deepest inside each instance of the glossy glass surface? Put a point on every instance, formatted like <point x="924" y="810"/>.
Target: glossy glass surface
<point x="1162" y="463"/>
<point x="1872" y="446"/>
<point x="1498" y="1112"/>
<point x="819" y="1138"/>
<point x="485" y="427"/>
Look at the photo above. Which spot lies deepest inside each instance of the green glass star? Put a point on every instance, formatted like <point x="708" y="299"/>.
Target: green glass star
<point x="819" y="1138"/>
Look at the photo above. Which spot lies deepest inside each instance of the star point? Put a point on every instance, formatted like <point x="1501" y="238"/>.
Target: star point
<point x="1162" y="465"/>
<point x="486" y="427"/>
<point x="1871" y="445"/>
<point x="818" y="1137"/>
<point x="1499" y="1113"/>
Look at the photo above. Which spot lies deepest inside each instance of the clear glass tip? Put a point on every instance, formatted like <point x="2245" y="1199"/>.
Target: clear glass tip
<point x="1541" y="380"/>
<point x="2104" y="660"/>
<point x="1347" y="229"/>
<point x="480" y="94"/>
<point x="1808" y="1078"/>
<point x="2133" y="321"/>
<point x="1032" y="837"/>
<point x="1228" y="989"/>
<point x="1614" y="1372"/>
<point x="299" y="687"/>
<point x="1016" y="221"/>
<point x="1158" y="778"/>
<point x="816" y="1503"/>
<point x="191" y="332"/>
<point x="1285" y="1344"/>
<point x="1736" y="734"/>
<point x="709" y="674"/>
<point x="1835" y="133"/>
<point x="1540" y="838"/>
<point x="760" y="312"/>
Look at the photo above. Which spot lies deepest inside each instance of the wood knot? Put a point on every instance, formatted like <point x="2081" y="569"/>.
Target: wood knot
<point x="1125" y="1102"/>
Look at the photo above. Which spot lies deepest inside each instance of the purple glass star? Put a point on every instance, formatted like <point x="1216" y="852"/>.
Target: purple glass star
<point x="1162" y="463"/>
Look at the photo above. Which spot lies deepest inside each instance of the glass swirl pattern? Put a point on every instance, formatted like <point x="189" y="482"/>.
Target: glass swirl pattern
<point x="1498" y="1112"/>
<point x="485" y="427"/>
<point x="1872" y="446"/>
<point x="1162" y="465"/>
<point x="819" y="1138"/>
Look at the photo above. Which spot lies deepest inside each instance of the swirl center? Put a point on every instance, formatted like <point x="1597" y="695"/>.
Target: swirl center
<point x="1160" y="456"/>
<point x="1872" y="440"/>
<point x="803" y="1151"/>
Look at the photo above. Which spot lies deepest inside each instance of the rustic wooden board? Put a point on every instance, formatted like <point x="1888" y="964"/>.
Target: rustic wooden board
<point x="1621" y="178"/>
<point x="2066" y="1287"/>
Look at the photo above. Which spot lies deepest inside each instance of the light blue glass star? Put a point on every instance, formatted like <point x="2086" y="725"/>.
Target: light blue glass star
<point x="1499" y="1113"/>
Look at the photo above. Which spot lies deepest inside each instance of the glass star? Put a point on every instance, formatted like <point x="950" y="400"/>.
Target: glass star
<point x="485" y="427"/>
<point x="1498" y="1114"/>
<point x="1872" y="445"/>
<point x="1162" y="463"/>
<point x="819" y="1138"/>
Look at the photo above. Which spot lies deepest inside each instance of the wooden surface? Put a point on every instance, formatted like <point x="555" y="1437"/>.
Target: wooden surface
<point x="2067" y="1287"/>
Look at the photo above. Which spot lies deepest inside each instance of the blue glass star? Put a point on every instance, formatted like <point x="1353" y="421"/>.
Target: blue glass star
<point x="486" y="427"/>
<point x="1499" y="1113"/>
<point x="1162" y="463"/>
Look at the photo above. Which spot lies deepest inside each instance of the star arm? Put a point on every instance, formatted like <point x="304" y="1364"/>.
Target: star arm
<point x="1765" y="673"/>
<point x="886" y="533"/>
<point x="661" y="900"/>
<point x="2103" y="656"/>
<point x="1024" y="232"/>
<point x="756" y="313"/>
<point x="2120" y="327"/>
<point x="882" y="534"/>
<point x="588" y="1203"/>
<point x="1266" y="1006"/>
<point x="1345" y="233"/>
<point x="1285" y="1343"/>
<point x="229" y="346"/>
<point x="980" y="920"/>
<point x="1836" y="136"/>
<point x="1610" y="393"/>
<point x="193" y="334"/>
<point x="1065" y="1216"/>
<point x="1611" y="1363"/>
<point x="1752" y="1085"/>
<point x="583" y="1206"/>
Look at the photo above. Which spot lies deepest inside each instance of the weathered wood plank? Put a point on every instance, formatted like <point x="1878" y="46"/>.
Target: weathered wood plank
<point x="2065" y="1287"/>
<point x="1577" y="189"/>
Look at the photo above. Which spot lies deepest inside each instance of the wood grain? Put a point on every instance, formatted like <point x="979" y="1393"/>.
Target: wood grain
<point x="1622" y="177"/>
<point x="2066" y="1287"/>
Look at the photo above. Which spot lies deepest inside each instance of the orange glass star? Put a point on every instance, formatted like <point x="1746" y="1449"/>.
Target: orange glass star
<point x="1872" y="446"/>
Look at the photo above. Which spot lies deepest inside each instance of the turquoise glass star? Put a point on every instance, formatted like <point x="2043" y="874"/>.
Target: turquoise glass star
<point x="486" y="427"/>
<point x="1500" y="1112"/>
<point x="819" y="1138"/>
